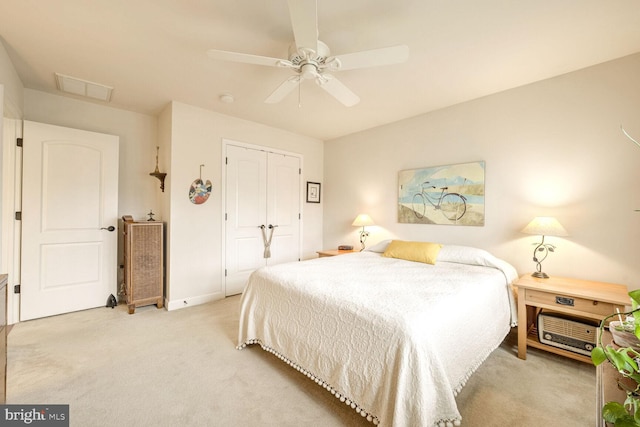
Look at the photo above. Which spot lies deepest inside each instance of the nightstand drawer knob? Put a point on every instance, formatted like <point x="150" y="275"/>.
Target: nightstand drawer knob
<point x="564" y="301"/>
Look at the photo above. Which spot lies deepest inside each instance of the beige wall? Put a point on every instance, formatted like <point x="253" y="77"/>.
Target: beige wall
<point x="551" y="148"/>
<point x="187" y="136"/>
<point x="138" y="192"/>
<point x="195" y="232"/>
<point x="12" y="99"/>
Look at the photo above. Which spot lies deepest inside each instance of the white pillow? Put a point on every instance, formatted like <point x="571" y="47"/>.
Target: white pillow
<point x="475" y="256"/>
<point x="465" y="255"/>
<point x="379" y="247"/>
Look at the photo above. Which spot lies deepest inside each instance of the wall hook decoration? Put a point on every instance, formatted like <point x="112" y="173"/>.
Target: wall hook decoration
<point x="157" y="173"/>
<point x="199" y="191"/>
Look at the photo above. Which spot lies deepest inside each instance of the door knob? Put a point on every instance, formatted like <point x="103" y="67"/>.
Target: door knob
<point x="109" y="228"/>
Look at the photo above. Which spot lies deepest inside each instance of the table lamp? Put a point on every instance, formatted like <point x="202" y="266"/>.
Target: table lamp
<point x="543" y="226"/>
<point x="363" y="220"/>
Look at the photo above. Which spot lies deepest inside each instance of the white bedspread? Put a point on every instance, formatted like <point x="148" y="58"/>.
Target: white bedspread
<point x="394" y="339"/>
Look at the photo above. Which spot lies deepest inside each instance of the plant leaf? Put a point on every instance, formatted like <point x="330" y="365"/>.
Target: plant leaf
<point x="635" y="296"/>
<point x="612" y="412"/>
<point x="632" y="366"/>
<point x="636" y="415"/>
<point x="617" y="359"/>
<point x="626" y="421"/>
<point x="598" y="356"/>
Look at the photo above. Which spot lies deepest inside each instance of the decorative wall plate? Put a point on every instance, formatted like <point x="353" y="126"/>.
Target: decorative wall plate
<point x="199" y="191"/>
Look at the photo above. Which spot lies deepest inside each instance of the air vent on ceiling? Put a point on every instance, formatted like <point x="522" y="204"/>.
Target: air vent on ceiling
<point x="81" y="87"/>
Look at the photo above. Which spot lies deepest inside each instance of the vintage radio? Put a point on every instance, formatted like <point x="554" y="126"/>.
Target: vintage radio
<point x="567" y="332"/>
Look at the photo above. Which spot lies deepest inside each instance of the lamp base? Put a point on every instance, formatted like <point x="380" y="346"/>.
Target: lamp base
<point x="540" y="275"/>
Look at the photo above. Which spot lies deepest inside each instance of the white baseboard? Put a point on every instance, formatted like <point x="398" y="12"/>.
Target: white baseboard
<point x="191" y="301"/>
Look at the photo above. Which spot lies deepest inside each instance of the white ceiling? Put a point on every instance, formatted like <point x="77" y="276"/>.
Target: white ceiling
<point x="154" y="51"/>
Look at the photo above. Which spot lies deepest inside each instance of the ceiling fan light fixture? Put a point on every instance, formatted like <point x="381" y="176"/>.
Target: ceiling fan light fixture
<point x="310" y="58"/>
<point x="309" y="71"/>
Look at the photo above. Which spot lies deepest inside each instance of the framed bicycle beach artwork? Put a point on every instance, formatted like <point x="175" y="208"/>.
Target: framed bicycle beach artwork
<point x="449" y="194"/>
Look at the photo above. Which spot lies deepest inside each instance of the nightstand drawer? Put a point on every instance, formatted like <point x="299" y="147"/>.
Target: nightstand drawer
<point x="570" y="302"/>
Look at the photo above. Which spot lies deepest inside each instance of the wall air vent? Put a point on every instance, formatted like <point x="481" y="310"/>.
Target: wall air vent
<point x="81" y="87"/>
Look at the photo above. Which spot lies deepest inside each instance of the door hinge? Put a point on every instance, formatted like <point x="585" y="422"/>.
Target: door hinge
<point x="16" y="289"/>
<point x="299" y="171"/>
<point x="226" y="160"/>
<point x="225" y="216"/>
<point x="19" y="142"/>
<point x="18" y="216"/>
<point x="225" y="272"/>
<point x="299" y="216"/>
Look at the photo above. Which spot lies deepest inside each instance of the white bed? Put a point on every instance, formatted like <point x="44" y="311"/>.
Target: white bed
<point x="394" y="339"/>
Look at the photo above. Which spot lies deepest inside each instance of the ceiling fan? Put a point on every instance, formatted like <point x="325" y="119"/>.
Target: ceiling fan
<point x="311" y="59"/>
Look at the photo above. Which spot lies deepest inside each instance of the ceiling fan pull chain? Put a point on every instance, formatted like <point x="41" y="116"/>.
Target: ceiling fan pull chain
<point x="300" y="94"/>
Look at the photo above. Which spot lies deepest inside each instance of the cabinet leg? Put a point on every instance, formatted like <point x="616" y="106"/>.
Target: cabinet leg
<point x="132" y="308"/>
<point x="522" y="325"/>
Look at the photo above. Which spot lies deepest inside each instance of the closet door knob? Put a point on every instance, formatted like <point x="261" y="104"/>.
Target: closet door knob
<point x="109" y="228"/>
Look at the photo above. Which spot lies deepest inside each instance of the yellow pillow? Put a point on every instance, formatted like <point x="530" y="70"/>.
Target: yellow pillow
<point x="413" y="251"/>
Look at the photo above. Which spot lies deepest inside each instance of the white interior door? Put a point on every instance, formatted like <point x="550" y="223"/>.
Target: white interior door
<point x="283" y="207"/>
<point x="69" y="200"/>
<point x="246" y="201"/>
<point x="262" y="201"/>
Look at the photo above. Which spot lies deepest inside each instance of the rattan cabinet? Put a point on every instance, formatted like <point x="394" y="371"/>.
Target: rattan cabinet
<point x="143" y="263"/>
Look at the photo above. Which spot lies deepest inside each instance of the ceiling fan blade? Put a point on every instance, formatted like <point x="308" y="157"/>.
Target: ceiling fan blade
<point x="304" y="21"/>
<point x="246" y="58"/>
<point x="338" y="90"/>
<point x="283" y="90"/>
<point x="370" y="58"/>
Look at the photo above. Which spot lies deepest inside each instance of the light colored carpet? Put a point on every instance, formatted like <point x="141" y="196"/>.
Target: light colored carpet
<point x="181" y="368"/>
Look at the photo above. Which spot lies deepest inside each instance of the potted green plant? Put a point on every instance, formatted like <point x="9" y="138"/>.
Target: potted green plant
<point x="625" y="358"/>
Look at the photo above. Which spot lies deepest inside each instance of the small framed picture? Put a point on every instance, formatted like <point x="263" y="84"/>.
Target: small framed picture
<point x="313" y="192"/>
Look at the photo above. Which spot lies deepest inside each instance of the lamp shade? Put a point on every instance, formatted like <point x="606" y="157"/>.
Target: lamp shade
<point x="545" y="226"/>
<point x="363" y="220"/>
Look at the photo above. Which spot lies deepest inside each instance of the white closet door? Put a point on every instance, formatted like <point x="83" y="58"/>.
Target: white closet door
<point x="283" y="207"/>
<point x="262" y="190"/>
<point x="246" y="211"/>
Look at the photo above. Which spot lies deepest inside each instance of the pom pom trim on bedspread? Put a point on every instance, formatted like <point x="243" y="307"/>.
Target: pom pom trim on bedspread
<point x="344" y="399"/>
<point x="349" y="402"/>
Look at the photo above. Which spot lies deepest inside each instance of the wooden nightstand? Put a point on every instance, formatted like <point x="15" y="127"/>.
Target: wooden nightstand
<point x="579" y="298"/>
<point x="334" y="252"/>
